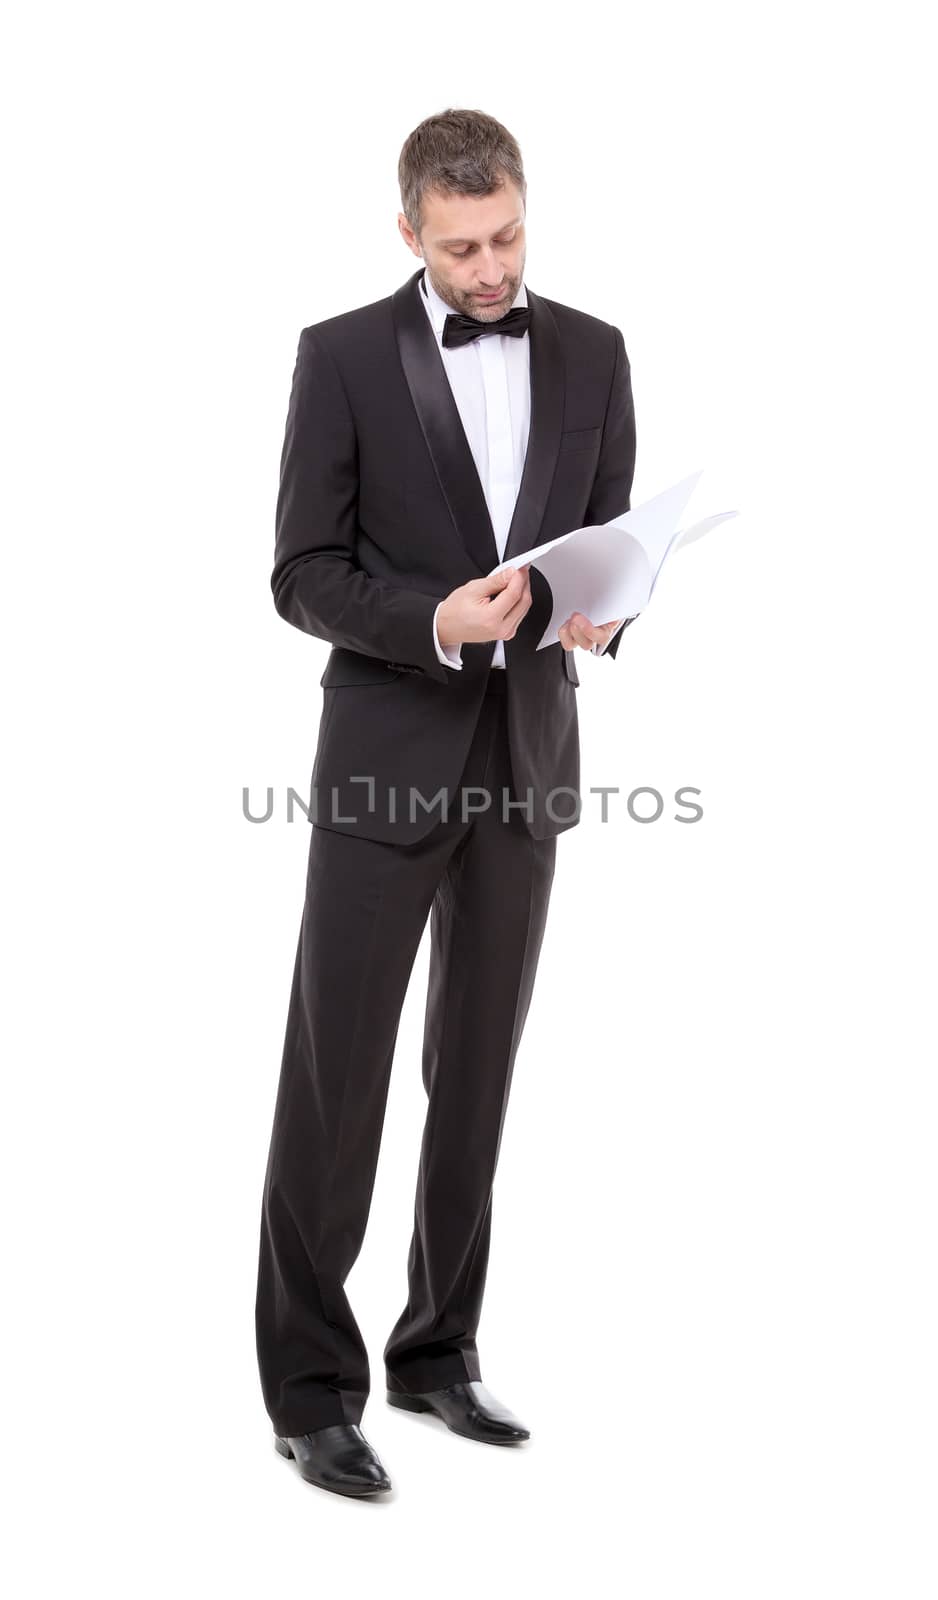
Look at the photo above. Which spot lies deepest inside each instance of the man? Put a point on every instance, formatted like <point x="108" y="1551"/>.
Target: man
<point x="429" y="435"/>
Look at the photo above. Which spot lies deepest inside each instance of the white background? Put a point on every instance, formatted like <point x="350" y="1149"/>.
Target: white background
<point x="712" y="1285"/>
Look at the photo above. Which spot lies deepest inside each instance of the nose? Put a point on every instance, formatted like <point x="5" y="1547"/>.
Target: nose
<point x="492" y="274"/>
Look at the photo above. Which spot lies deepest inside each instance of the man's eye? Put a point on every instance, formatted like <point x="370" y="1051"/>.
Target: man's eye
<point x="459" y="254"/>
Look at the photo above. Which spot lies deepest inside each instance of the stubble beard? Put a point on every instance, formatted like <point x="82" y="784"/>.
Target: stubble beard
<point x="469" y="306"/>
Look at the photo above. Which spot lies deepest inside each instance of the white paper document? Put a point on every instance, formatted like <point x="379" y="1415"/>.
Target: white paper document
<point x="610" y="571"/>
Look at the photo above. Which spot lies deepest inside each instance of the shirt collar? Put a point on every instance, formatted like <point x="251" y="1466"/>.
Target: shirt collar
<point x="438" y="310"/>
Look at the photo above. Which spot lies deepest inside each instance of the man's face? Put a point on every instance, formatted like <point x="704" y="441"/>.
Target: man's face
<point x="473" y="246"/>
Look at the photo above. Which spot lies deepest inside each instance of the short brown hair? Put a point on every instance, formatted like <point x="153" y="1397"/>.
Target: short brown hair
<point x="456" y="152"/>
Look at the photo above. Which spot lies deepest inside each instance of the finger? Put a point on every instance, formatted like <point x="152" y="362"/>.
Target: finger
<point x="495" y="583"/>
<point x="517" y="612"/>
<point x="502" y="603"/>
<point x="585" y="633"/>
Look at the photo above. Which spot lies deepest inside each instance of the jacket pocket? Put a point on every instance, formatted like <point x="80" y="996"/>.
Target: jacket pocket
<point x="580" y="439"/>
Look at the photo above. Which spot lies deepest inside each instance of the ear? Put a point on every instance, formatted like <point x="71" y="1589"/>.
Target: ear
<point x="408" y="235"/>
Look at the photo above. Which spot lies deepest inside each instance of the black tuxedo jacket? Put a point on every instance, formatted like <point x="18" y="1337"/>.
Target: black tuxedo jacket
<point x="380" y="513"/>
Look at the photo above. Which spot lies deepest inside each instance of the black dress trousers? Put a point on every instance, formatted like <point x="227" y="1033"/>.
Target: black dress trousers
<point x="485" y="883"/>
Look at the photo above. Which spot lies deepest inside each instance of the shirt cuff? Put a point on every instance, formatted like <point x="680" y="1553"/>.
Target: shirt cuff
<point x="447" y="655"/>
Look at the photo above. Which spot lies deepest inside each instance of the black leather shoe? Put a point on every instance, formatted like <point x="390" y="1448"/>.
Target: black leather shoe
<point x="468" y="1409"/>
<point x="337" y="1458"/>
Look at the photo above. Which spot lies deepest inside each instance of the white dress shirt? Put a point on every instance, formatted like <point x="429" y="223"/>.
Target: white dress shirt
<point x="491" y="383"/>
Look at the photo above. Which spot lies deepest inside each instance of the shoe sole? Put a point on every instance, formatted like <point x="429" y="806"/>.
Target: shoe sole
<point x="365" y="1492"/>
<point x="413" y="1402"/>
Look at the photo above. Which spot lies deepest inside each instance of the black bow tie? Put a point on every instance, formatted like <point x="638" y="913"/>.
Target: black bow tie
<point x="458" y="329"/>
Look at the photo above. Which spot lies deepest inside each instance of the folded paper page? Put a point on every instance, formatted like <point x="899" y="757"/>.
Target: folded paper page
<point x="610" y="571"/>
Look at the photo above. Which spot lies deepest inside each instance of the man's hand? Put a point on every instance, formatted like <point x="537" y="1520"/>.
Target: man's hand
<point x="578" y="630"/>
<point x="485" y="608"/>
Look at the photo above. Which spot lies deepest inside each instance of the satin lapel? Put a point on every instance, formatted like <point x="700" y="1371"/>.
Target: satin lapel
<point x="446" y="439"/>
<point x="547" y="399"/>
<point x="442" y="426"/>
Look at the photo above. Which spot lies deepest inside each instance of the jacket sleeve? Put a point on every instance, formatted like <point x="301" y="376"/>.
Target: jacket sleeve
<point x="612" y="485"/>
<point x="317" y="583"/>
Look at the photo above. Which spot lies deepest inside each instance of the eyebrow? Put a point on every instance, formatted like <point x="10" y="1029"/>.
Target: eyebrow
<point x="512" y="224"/>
